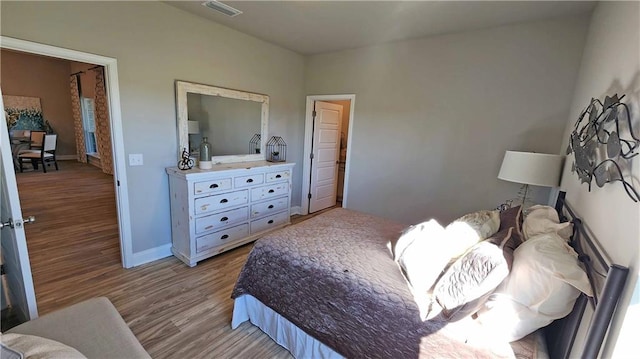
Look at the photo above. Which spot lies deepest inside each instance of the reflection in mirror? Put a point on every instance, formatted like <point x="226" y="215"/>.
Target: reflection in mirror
<point x="229" y="119"/>
<point x="228" y="123"/>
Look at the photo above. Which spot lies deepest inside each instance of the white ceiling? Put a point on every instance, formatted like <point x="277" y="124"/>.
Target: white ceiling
<point x="313" y="27"/>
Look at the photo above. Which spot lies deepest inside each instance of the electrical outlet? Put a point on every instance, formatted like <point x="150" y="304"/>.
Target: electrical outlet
<point x="135" y="159"/>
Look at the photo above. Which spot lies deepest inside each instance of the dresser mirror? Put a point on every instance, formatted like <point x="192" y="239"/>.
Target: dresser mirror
<point x="231" y="120"/>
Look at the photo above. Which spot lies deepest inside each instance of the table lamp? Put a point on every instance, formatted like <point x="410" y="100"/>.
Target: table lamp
<point x="529" y="168"/>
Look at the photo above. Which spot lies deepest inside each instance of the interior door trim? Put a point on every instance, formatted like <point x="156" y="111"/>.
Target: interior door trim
<point x="117" y="137"/>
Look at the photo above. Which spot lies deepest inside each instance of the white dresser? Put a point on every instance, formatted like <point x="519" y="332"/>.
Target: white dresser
<point x="215" y="210"/>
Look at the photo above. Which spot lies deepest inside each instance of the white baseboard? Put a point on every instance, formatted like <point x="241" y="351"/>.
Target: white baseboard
<point x="152" y="254"/>
<point x="296" y="210"/>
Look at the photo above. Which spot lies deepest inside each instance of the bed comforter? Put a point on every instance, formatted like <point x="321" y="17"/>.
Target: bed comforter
<point x="333" y="277"/>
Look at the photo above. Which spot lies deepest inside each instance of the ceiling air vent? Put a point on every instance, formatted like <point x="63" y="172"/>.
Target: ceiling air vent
<point x="223" y="8"/>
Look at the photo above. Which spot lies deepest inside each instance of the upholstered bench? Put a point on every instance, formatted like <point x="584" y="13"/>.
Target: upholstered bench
<point x="93" y="327"/>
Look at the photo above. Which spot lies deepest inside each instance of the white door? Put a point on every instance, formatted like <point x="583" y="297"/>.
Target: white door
<point x="15" y="257"/>
<point x="326" y="151"/>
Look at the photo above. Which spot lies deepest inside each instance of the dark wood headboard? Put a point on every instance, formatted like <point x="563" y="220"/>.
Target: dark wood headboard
<point x="607" y="281"/>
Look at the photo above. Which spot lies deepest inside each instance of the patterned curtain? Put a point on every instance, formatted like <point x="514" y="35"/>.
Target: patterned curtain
<point x="81" y="150"/>
<point x="103" y="124"/>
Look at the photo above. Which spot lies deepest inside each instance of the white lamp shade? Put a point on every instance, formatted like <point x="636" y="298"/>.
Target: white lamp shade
<point x="194" y="127"/>
<point x="536" y="169"/>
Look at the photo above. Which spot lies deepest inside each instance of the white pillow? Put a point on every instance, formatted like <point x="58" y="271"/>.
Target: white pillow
<point x="422" y="253"/>
<point x="544" y="219"/>
<point x="470" y="229"/>
<point x="31" y="346"/>
<point x="544" y="282"/>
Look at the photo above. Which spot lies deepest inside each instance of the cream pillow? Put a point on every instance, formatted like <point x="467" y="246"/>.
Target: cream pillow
<point x="544" y="219"/>
<point x="544" y="282"/>
<point x="34" y="347"/>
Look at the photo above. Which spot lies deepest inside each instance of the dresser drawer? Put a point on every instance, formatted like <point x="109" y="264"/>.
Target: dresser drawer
<point x="221" y="201"/>
<point x="221" y="220"/>
<point x="278" y="176"/>
<point x="272" y="221"/>
<point x="271" y="206"/>
<point x="221" y="237"/>
<point x="212" y="186"/>
<point x="245" y="181"/>
<point x="274" y="190"/>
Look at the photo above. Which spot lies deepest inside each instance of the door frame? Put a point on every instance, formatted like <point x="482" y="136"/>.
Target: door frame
<point x="117" y="138"/>
<point x="308" y="139"/>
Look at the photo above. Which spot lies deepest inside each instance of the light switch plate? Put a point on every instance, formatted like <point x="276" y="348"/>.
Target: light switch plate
<point x="135" y="159"/>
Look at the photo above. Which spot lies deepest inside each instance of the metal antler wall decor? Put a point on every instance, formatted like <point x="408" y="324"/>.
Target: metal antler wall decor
<point x="599" y="148"/>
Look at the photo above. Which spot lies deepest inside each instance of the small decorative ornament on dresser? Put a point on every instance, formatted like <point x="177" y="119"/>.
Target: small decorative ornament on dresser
<point x="276" y="149"/>
<point x="604" y="145"/>
<point x="205" y="155"/>
<point x="186" y="162"/>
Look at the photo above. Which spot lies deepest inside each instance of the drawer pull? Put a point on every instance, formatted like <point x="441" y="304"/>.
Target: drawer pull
<point x="270" y="206"/>
<point x="215" y="185"/>
<point x="271" y="191"/>
<point x="250" y="180"/>
<point x="224" y="219"/>
<point x="224" y="200"/>
<point x="225" y="236"/>
<point x="278" y="176"/>
<point x="270" y="221"/>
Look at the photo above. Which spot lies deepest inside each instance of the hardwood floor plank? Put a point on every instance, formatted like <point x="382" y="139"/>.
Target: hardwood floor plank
<point x="175" y="311"/>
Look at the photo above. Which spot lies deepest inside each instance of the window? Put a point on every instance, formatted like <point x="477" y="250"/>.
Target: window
<point x="89" y="125"/>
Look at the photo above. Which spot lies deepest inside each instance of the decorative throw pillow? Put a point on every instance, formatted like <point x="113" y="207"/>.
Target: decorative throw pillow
<point x="470" y="229"/>
<point x="544" y="219"/>
<point x="467" y="283"/>
<point x="31" y="346"/>
<point x="511" y="217"/>
<point x="425" y="250"/>
<point x="544" y="282"/>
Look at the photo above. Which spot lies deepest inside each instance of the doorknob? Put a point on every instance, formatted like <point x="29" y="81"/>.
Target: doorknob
<point x="17" y="223"/>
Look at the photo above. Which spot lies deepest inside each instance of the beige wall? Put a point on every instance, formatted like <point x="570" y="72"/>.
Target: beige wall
<point x="156" y="44"/>
<point x="434" y="116"/>
<point x="48" y="79"/>
<point x="611" y="64"/>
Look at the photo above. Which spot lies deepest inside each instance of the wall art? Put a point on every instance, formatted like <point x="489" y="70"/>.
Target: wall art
<point x="603" y="142"/>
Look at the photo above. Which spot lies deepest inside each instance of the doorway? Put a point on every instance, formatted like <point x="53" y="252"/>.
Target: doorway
<point x="119" y="181"/>
<point x="327" y="142"/>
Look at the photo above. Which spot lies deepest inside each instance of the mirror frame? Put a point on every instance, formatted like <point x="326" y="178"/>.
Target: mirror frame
<point x="184" y="87"/>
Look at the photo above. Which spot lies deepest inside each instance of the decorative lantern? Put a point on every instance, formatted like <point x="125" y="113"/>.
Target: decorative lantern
<point x="276" y="149"/>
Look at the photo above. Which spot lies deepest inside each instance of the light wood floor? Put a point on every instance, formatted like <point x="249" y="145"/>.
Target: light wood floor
<point x="175" y="311"/>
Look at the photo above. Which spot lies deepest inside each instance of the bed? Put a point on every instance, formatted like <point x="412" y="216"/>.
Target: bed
<point x="328" y="288"/>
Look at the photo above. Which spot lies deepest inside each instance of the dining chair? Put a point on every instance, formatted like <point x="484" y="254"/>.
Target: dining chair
<point x="36" y="138"/>
<point x="35" y="142"/>
<point x="46" y="155"/>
